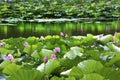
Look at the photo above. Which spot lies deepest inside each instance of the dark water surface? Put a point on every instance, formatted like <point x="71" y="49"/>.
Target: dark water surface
<point x="70" y="28"/>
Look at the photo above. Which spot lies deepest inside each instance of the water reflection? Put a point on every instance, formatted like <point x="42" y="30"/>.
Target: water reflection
<point x="42" y="29"/>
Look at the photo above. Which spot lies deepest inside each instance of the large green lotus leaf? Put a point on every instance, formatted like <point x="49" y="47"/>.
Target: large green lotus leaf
<point x="40" y="45"/>
<point x="32" y="40"/>
<point x="117" y="37"/>
<point x="4" y="64"/>
<point x="41" y="67"/>
<point x="66" y="63"/>
<point x="46" y="52"/>
<point x="18" y="53"/>
<point x="76" y="72"/>
<point x="5" y="51"/>
<point x="89" y="40"/>
<point x="78" y="37"/>
<point x="66" y="73"/>
<point x="106" y="38"/>
<point x="94" y="54"/>
<point x="114" y="48"/>
<point x="56" y="36"/>
<point x="26" y="75"/>
<point x="62" y="78"/>
<point x="57" y="78"/>
<point x="110" y="73"/>
<point x="70" y="78"/>
<point x="29" y="49"/>
<point x="35" y="54"/>
<point x="89" y="66"/>
<point x="90" y="36"/>
<point x="74" y="52"/>
<point x="63" y="49"/>
<point x="13" y="43"/>
<point x="117" y="63"/>
<point x="48" y="37"/>
<point x="93" y="76"/>
<point x="49" y="67"/>
<point x="11" y="68"/>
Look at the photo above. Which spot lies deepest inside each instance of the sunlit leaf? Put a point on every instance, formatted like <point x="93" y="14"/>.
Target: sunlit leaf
<point x="11" y="68"/>
<point x="26" y="75"/>
<point x="49" y="67"/>
<point x="74" y="52"/>
<point x="4" y="64"/>
<point x="89" y="66"/>
<point x="46" y="52"/>
<point x="93" y="76"/>
<point x="106" y="38"/>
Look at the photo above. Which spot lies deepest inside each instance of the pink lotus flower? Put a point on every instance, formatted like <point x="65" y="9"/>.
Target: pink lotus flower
<point x="2" y="43"/>
<point x="53" y="56"/>
<point x="61" y="34"/>
<point x="25" y="44"/>
<point x="45" y="59"/>
<point x="57" y="49"/>
<point x="9" y="57"/>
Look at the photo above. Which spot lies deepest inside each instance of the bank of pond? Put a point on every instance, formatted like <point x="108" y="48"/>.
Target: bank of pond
<point x="45" y="9"/>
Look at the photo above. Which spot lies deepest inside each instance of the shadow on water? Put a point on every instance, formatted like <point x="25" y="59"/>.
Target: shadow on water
<point x="70" y="28"/>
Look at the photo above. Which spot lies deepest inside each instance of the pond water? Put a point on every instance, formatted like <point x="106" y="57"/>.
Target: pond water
<point x="70" y="28"/>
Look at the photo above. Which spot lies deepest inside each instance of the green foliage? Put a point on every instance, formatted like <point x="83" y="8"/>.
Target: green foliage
<point x="11" y="68"/>
<point x="74" y="52"/>
<point x="93" y="76"/>
<point x="4" y="64"/>
<point x="110" y="73"/>
<point x="60" y="9"/>
<point x="77" y="60"/>
<point x="26" y="75"/>
<point x="89" y="66"/>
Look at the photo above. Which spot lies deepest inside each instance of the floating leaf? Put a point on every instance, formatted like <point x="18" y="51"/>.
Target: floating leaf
<point x="4" y="64"/>
<point x="76" y="72"/>
<point x="106" y="38"/>
<point x="114" y="48"/>
<point x="110" y="73"/>
<point x="89" y="66"/>
<point x="46" y="52"/>
<point x="93" y="76"/>
<point x="29" y="49"/>
<point x="5" y="51"/>
<point x="65" y="72"/>
<point x="26" y="75"/>
<point x="74" y="52"/>
<point x="32" y="40"/>
<point x="57" y="78"/>
<point x="49" y="67"/>
<point x="11" y="68"/>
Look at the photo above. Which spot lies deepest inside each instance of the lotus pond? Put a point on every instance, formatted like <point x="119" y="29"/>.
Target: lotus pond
<point x="61" y="57"/>
<point x="59" y="51"/>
